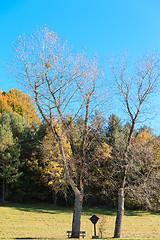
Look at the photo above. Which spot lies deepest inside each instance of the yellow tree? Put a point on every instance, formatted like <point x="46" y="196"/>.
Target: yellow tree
<point x="53" y="171"/>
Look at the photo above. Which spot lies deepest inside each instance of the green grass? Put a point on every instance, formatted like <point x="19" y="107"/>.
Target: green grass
<point x="47" y="222"/>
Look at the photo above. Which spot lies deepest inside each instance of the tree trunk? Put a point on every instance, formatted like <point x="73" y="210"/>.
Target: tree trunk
<point x="77" y="215"/>
<point x="157" y="205"/>
<point x="3" y="190"/>
<point x="120" y="213"/>
<point x="54" y="197"/>
<point x="6" y="190"/>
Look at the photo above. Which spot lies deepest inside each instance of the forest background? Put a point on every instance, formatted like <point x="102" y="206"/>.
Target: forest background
<point x="31" y="170"/>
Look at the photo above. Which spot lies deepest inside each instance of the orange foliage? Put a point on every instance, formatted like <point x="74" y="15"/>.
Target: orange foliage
<point x="18" y="102"/>
<point x="4" y="107"/>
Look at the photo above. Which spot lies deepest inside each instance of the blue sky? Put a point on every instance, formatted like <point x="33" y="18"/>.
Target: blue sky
<point x="101" y="26"/>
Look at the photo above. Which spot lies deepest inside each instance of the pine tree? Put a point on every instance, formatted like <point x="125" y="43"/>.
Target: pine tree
<point x="9" y="155"/>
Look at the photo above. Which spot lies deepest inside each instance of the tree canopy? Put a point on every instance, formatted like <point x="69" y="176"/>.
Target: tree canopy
<point x="18" y="102"/>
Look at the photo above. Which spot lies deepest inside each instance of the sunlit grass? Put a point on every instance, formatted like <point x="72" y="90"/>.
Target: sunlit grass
<point x="45" y="221"/>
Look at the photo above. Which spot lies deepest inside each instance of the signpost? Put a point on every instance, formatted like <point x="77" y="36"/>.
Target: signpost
<point x="94" y="220"/>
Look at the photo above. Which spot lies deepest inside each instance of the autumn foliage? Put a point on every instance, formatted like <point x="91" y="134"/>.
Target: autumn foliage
<point x="18" y="102"/>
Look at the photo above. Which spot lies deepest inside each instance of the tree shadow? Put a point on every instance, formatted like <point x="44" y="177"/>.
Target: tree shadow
<point x="155" y="213"/>
<point x="38" y="238"/>
<point x="49" y="209"/>
<point x="139" y="213"/>
<point x="99" y="211"/>
<point x="133" y="213"/>
<point x="39" y="208"/>
<point x="109" y="212"/>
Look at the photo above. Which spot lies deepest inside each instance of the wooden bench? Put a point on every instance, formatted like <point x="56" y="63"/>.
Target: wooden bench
<point x="76" y="234"/>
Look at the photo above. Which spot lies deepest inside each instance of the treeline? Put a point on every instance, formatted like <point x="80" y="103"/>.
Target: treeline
<point x="31" y="168"/>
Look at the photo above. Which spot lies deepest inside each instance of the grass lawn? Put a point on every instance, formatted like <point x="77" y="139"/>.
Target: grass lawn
<point x="45" y="221"/>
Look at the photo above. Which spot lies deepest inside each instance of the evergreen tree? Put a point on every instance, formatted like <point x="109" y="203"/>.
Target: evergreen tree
<point x="9" y="154"/>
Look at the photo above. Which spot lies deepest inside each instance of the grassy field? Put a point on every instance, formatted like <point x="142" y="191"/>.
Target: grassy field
<point x="45" y="222"/>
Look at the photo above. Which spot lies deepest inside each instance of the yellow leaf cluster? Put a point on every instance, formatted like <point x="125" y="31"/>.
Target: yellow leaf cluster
<point x="144" y="137"/>
<point x="103" y="151"/>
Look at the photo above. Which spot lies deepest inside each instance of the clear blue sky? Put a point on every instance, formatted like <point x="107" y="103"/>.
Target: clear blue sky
<point x="101" y="26"/>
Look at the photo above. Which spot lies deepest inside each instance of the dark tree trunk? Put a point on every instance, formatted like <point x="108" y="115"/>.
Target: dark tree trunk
<point x="120" y="213"/>
<point x="6" y="190"/>
<point x="3" y="191"/>
<point x="54" y="197"/>
<point x="157" y="205"/>
<point x="77" y="215"/>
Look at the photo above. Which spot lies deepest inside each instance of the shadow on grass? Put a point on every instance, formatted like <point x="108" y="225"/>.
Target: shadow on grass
<point x="36" y="238"/>
<point x="59" y="238"/>
<point x="53" y="238"/>
<point x="133" y="213"/>
<point x="49" y="209"/>
<point x="155" y="213"/>
<point x="108" y="212"/>
<point x="89" y="238"/>
<point x="39" y="208"/>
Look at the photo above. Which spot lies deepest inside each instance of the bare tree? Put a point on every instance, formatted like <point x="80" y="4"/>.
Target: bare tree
<point x="61" y="82"/>
<point x="135" y="91"/>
